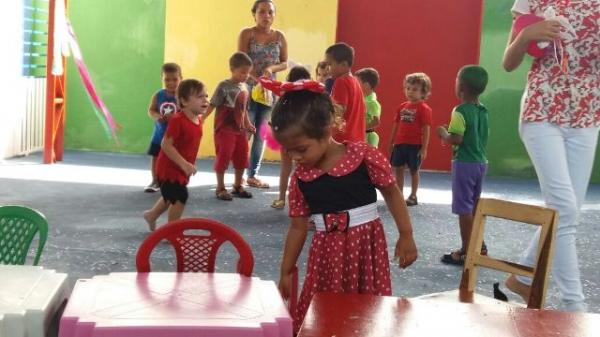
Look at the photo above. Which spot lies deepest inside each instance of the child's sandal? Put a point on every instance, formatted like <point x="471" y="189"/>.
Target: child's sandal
<point x="456" y="258"/>
<point x="411" y="201"/>
<point x="255" y="182"/>
<point x="278" y="204"/>
<point x="223" y="195"/>
<point x="240" y="192"/>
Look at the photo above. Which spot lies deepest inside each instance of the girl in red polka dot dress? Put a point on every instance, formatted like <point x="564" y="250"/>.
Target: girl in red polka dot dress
<point x="334" y="187"/>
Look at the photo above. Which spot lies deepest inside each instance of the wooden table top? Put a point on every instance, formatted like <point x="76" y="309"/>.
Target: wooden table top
<point x="345" y="315"/>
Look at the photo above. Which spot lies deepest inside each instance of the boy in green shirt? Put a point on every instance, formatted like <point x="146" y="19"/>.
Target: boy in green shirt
<point x="369" y="79"/>
<point x="468" y="133"/>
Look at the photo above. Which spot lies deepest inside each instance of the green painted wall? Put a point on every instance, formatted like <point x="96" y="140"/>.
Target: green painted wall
<point x="123" y="45"/>
<point x="507" y="155"/>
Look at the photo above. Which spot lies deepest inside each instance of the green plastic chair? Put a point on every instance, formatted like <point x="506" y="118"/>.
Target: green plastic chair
<point x="18" y="226"/>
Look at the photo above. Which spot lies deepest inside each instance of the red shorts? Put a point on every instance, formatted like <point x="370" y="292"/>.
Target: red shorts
<point x="230" y="147"/>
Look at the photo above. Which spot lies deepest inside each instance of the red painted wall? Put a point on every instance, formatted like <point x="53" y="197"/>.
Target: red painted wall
<point x="398" y="37"/>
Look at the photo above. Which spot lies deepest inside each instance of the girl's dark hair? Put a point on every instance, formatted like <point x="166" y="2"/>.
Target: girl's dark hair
<point x="298" y="73"/>
<point x="187" y="88"/>
<point x="257" y="2"/>
<point x="310" y="112"/>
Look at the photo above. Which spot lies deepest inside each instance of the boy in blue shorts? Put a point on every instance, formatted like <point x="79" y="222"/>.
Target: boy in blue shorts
<point x="468" y="133"/>
<point x="163" y="105"/>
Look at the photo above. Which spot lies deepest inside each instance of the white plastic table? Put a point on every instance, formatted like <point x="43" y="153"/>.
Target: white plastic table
<point x="175" y="304"/>
<point x="30" y="297"/>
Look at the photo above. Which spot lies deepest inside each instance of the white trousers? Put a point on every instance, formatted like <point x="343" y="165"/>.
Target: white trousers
<point x="563" y="158"/>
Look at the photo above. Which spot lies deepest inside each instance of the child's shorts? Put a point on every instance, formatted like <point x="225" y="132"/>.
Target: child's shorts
<point x="230" y="147"/>
<point x="173" y="192"/>
<point x="467" y="180"/>
<point x="153" y="149"/>
<point x="406" y="154"/>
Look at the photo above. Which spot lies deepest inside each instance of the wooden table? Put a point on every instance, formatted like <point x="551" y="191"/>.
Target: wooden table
<point x="175" y="304"/>
<point x="343" y="315"/>
<point x="30" y="298"/>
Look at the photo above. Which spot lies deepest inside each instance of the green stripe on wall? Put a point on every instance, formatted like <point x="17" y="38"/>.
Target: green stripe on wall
<point x="35" y="37"/>
<point x="123" y="46"/>
<point x="506" y="153"/>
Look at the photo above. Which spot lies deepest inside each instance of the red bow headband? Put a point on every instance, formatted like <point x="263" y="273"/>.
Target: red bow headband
<point x="280" y="88"/>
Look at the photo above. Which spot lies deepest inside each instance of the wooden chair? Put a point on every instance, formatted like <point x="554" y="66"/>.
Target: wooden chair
<point x="196" y="253"/>
<point x="544" y="217"/>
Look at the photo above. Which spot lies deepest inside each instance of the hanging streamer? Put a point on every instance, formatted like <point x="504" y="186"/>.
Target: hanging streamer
<point x="66" y="45"/>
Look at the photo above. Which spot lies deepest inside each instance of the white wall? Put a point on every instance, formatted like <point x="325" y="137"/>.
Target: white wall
<point x="12" y="100"/>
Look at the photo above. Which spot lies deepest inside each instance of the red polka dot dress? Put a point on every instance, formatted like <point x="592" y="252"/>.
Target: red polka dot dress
<point x="343" y="259"/>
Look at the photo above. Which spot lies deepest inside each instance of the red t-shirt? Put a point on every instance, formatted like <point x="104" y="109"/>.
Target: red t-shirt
<point x="411" y="118"/>
<point x="186" y="138"/>
<point x="346" y="91"/>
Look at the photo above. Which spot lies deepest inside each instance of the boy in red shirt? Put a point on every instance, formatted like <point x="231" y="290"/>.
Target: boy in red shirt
<point x="232" y="125"/>
<point x="347" y="93"/>
<point x="179" y="148"/>
<point x="410" y="133"/>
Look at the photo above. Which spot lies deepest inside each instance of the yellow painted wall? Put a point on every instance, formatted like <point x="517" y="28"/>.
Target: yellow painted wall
<point x="201" y="35"/>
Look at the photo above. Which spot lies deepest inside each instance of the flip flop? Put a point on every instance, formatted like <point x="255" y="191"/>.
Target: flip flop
<point x="240" y="192"/>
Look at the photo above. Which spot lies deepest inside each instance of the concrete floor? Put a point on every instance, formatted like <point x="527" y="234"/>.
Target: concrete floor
<point x="94" y="202"/>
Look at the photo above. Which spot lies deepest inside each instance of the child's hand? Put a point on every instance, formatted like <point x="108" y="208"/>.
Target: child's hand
<point x="251" y="128"/>
<point x="546" y="30"/>
<point x="165" y="118"/>
<point x="406" y="251"/>
<point x="441" y="131"/>
<point x="267" y="72"/>
<point x="285" y="285"/>
<point x="189" y="169"/>
<point x="423" y="154"/>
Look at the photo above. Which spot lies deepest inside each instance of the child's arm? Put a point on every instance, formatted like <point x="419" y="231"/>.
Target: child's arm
<point x="453" y="134"/>
<point x="406" y="249"/>
<point x="210" y="109"/>
<point x="293" y="247"/>
<point x="248" y="124"/>
<point x="546" y="30"/>
<point x="153" y="109"/>
<point x="450" y="138"/>
<point x="425" y="141"/>
<point x="375" y="108"/>
<point x="393" y="136"/>
<point x="169" y="149"/>
<point x="373" y="123"/>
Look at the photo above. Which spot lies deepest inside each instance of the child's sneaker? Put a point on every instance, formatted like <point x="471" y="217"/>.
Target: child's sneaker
<point x="153" y="187"/>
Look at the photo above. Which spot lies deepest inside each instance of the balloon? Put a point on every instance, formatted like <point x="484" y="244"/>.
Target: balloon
<point x="267" y="135"/>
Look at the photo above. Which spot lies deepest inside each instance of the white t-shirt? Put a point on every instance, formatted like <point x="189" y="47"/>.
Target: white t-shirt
<point x="521" y="7"/>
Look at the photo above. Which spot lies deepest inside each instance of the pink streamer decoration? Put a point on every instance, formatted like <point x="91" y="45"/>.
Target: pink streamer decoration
<point x="89" y="85"/>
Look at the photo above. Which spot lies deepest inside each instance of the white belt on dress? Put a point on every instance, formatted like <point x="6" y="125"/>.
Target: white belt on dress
<point x="356" y="216"/>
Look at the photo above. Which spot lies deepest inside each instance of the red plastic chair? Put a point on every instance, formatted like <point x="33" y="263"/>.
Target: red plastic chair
<point x="196" y="253"/>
